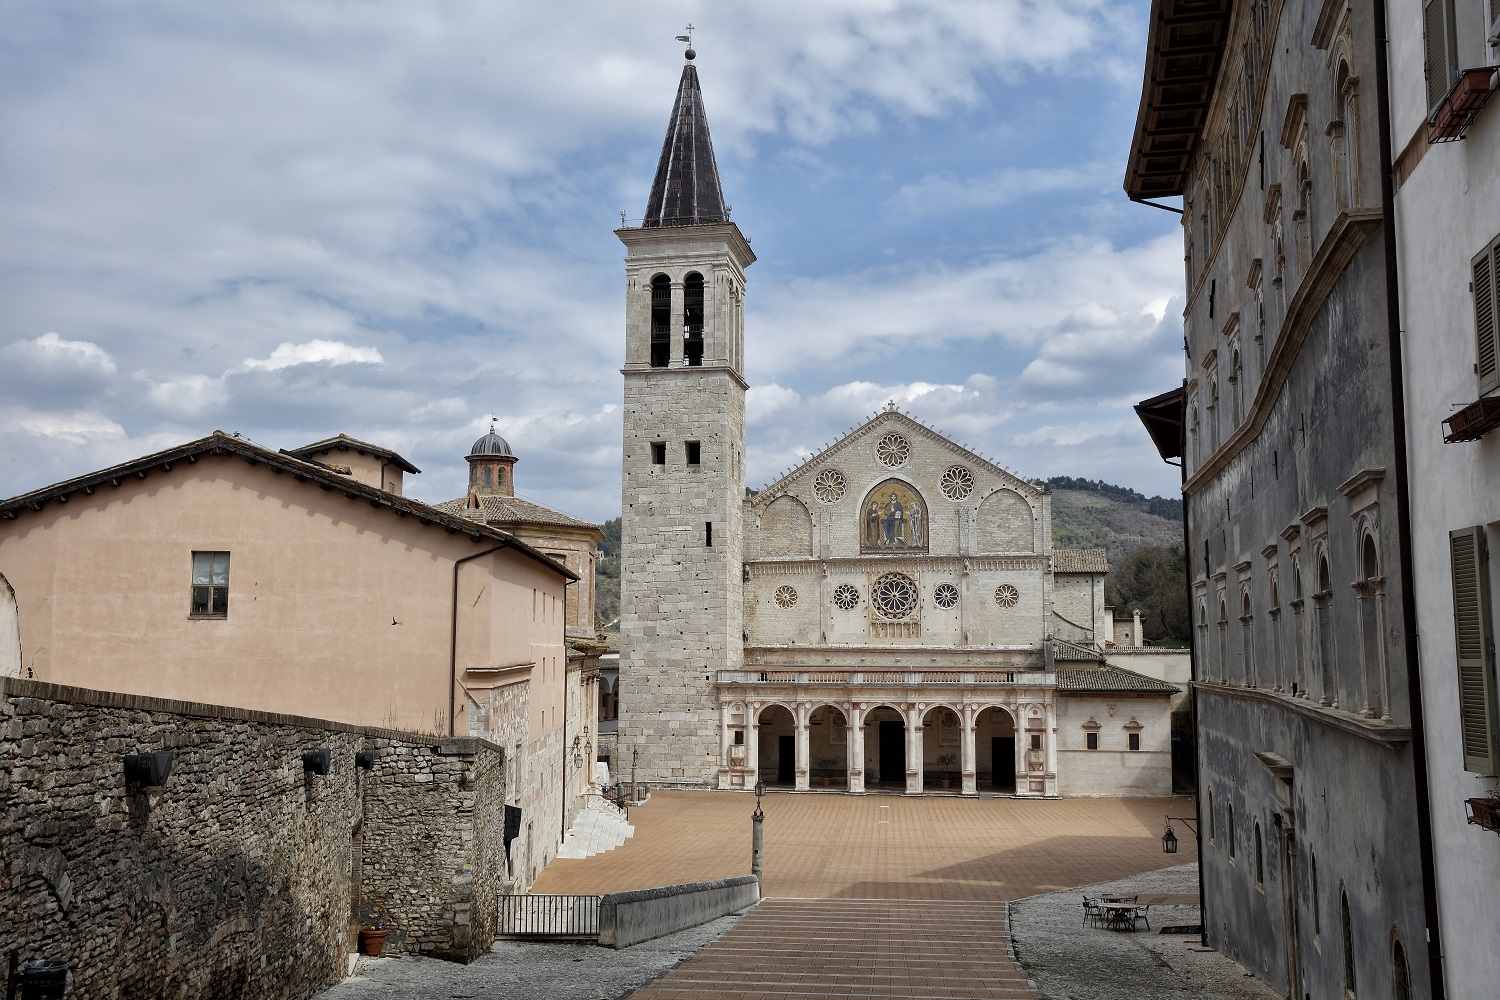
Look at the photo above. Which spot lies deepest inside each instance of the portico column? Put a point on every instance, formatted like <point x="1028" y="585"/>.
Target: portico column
<point x="856" y="747"/>
<point x="1050" y="736"/>
<point x="801" y="773"/>
<point x="914" y="751"/>
<point x="966" y="742"/>
<point x="725" y="741"/>
<point x="752" y="741"/>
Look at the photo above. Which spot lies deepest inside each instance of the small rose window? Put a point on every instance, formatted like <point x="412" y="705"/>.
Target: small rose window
<point x="1006" y="595"/>
<point x="957" y="483"/>
<point x="786" y="597"/>
<point x="829" y="486"/>
<point x="893" y="450"/>
<point x="946" y="595"/>
<point x="846" y="596"/>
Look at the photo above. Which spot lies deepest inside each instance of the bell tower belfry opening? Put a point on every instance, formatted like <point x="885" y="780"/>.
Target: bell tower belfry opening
<point x="683" y="480"/>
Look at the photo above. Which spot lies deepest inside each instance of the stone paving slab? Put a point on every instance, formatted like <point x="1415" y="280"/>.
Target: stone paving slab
<point x="1069" y="961"/>
<point x="880" y="847"/>
<point x="853" y="948"/>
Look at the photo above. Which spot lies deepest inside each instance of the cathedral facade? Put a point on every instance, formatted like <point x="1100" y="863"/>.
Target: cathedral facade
<point x="890" y="615"/>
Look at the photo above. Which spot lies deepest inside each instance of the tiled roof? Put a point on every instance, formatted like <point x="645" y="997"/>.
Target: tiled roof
<point x="503" y="510"/>
<point x="1080" y="561"/>
<point x="218" y="443"/>
<point x="1109" y="678"/>
<point x="686" y="191"/>
<point x="339" y="441"/>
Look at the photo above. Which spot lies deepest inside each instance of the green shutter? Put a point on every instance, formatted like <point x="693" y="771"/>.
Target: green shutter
<point x="1487" y="357"/>
<point x="1438" y="45"/>
<point x="1475" y="649"/>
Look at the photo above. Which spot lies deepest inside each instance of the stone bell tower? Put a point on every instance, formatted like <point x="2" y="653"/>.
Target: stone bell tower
<point x="683" y="479"/>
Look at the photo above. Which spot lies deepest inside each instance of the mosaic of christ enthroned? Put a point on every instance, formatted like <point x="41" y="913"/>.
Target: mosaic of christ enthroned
<point x="893" y="519"/>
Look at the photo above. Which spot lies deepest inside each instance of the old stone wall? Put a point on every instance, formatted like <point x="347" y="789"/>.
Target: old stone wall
<point x="244" y="874"/>
<point x="1113" y="769"/>
<point x="433" y="847"/>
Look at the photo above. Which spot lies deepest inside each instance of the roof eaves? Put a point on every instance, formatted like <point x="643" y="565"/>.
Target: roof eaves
<point x="1184" y="52"/>
<point x="342" y="441"/>
<point x="220" y="443"/>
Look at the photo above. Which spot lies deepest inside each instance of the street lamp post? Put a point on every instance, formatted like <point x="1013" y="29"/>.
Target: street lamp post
<point x="757" y="818"/>
<point x="635" y="756"/>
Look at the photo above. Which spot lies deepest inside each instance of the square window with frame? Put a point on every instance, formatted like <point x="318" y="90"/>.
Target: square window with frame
<point x="210" y="586"/>
<point x="1135" y="741"/>
<point x="1091" y="741"/>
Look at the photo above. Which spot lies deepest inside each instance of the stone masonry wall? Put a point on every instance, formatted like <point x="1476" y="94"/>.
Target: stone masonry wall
<point x="239" y="877"/>
<point x="432" y="846"/>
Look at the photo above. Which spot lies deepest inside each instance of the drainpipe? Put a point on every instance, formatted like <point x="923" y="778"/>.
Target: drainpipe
<point x="453" y="641"/>
<point x="1403" y="508"/>
<point x="1187" y="572"/>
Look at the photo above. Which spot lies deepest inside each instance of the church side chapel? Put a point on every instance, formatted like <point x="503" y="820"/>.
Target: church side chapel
<point x="889" y="616"/>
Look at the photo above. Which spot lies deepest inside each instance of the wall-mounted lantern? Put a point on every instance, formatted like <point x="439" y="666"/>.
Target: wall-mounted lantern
<point x="365" y="759"/>
<point x="148" y="770"/>
<point x="317" y="761"/>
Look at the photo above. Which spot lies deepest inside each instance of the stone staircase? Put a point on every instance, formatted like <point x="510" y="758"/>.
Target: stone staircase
<point x="600" y="827"/>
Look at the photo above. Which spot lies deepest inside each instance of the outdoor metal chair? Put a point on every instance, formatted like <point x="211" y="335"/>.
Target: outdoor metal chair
<point x="1140" y="914"/>
<point x="1092" y="914"/>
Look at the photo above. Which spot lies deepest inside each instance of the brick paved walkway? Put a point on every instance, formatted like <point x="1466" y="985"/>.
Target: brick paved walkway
<point x="814" y="948"/>
<point x="882" y="847"/>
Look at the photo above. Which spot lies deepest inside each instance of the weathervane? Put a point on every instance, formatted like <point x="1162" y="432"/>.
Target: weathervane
<point x="689" y="39"/>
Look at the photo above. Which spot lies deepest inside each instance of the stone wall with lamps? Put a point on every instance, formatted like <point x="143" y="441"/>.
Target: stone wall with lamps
<point x="246" y="873"/>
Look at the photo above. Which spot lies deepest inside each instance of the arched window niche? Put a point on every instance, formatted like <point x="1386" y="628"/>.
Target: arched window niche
<point x="692" y="319"/>
<point x="893" y="517"/>
<point x="661" y="321"/>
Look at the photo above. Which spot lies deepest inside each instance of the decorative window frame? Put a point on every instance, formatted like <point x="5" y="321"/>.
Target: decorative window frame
<point x="1363" y="493"/>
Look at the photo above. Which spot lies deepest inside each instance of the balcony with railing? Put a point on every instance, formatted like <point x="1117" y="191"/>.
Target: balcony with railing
<point x="888" y="678"/>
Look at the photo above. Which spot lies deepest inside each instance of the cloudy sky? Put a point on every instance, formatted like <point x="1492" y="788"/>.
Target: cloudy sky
<point x="394" y="219"/>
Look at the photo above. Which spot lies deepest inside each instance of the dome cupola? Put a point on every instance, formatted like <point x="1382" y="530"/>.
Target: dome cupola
<point x="491" y="468"/>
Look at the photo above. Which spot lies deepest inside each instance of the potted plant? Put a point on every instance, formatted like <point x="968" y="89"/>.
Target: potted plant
<point x="372" y="938"/>
<point x="826" y="765"/>
<point x="947" y="762"/>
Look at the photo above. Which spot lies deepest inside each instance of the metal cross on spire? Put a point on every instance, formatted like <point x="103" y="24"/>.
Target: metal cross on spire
<point x="687" y="37"/>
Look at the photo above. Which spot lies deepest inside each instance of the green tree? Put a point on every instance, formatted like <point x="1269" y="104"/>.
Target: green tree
<point x="1153" y="580"/>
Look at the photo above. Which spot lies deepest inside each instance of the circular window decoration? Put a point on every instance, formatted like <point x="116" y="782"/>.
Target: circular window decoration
<point x="957" y="483"/>
<point x="946" y="595"/>
<point x="894" y="596"/>
<point x="786" y="597"/>
<point x="829" y="486"/>
<point x="1006" y="596"/>
<point x="846" y="596"/>
<point x="893" y="450"/>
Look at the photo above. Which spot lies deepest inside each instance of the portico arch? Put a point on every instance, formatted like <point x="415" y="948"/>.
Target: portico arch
<point x="941" y="735"/>
<point x="777" y="740"/>
<point x="828" y="747"/>
<point x="996" y="761"/>
<point x="885" y="747"/>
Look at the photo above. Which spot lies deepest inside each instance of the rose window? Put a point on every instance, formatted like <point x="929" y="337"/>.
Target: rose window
<point x="1006" y="596"/>
<point x="786" y="597"/>
<point x="894" y="596"/>
<point x="893" y="450"/>
<point x="829" y="486"/>
<point x="946" y="595"/>
<point x="957" y="483"/>
<point x="846" y="596"/>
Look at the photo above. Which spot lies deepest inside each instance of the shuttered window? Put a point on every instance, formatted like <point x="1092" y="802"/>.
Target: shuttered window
<point x="1441" y="62"/>
<point x="1486" y="275"/>
<point x="1475" y="648"/>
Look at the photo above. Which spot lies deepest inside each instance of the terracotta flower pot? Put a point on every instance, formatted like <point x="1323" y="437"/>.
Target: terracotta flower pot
<point x="371" y="942"/>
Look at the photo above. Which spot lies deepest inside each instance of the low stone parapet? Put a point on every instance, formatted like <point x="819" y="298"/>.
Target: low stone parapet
<point x="627" y="918"/>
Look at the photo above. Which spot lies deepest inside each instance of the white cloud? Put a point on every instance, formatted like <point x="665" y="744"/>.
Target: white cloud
<point x="51" y="350"/>
<point x="331" y="352"/>
<point x="76" y="427"/>
<point x="937" y="193"/>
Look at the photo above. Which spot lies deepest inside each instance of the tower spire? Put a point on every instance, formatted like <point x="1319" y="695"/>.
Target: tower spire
<point x="686" y="191"/>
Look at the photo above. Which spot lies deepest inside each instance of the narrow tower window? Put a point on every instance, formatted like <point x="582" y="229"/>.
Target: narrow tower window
<point x="708" y="534"/>
<point x="661" y="321"/>
<point x="694" y="451"/>
<point x="692" y="320"/>
<point x="658" y="453"/>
